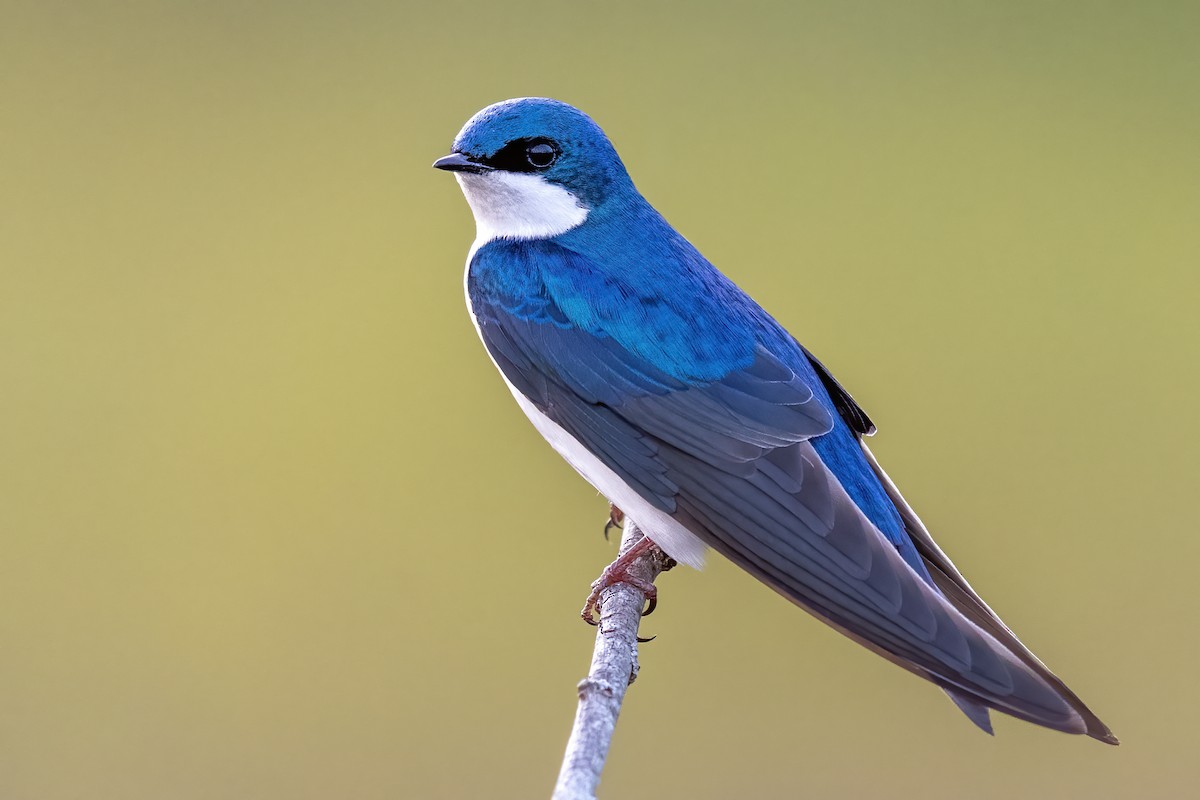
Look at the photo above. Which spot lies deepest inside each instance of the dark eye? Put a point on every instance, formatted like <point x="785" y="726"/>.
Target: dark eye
<point x="540" y="154"/>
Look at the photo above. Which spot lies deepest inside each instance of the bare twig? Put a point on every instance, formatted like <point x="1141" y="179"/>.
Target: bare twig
<point x="614" y="667"/>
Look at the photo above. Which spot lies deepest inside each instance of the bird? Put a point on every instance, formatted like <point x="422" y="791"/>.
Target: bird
<point x="694" y="412"/>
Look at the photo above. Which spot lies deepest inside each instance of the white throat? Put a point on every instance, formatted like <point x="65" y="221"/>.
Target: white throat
<point x="514" y="205"/>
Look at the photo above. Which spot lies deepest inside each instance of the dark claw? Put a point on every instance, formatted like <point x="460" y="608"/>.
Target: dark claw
<point x="651" y="604"/>
<point x="647" y="639"/>
<point x="616" y="519"/>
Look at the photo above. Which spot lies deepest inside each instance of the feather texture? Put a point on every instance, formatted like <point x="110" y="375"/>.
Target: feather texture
<point x="743" y="461"/>
<point x="681" y="399"/>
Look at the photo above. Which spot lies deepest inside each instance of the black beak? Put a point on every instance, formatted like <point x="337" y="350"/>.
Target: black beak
<point x="457" y="162"/>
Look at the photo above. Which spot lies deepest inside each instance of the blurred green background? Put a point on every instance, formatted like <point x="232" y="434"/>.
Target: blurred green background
<point x="270" y="524"/>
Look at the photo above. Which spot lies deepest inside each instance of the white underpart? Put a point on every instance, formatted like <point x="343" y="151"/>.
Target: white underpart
<point x="675" y="540"/>
<point x="510" y="205"/>
<point x="516" y="205"/>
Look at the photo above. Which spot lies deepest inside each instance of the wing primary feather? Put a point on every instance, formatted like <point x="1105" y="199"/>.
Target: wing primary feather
<point x="964" y="598"/>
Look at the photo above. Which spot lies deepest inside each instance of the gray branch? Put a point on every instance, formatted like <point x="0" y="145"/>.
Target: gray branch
<point x="614" y="667"/>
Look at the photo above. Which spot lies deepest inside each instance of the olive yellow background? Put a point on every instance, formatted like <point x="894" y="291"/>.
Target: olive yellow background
<point x="271" y="527"/>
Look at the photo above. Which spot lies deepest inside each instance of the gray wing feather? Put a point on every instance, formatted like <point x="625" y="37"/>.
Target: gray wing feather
<point x="815" y="547"/>
<point x="968" y="602"/>
<point x="732" y="461"/>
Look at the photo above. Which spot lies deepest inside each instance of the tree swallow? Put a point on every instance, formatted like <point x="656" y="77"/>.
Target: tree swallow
<point x="692" y="410"/>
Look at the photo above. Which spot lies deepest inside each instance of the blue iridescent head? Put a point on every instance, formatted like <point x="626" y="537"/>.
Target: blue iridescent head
<point x="533" y="143"/>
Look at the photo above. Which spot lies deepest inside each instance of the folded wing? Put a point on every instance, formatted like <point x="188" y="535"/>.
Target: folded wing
<point x="733" y="461"/>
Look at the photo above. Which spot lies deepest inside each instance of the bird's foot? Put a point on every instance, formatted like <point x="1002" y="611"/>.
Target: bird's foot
<point x="618" y="572"/>
<point x="616" y="519"/>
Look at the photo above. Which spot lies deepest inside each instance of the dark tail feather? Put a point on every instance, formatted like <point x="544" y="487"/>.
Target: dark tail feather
<point x="956" y="589"/>
<point x="976" y="712"/>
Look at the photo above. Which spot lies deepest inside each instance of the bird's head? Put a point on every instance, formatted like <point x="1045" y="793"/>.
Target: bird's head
<point x="532" y="168"/>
